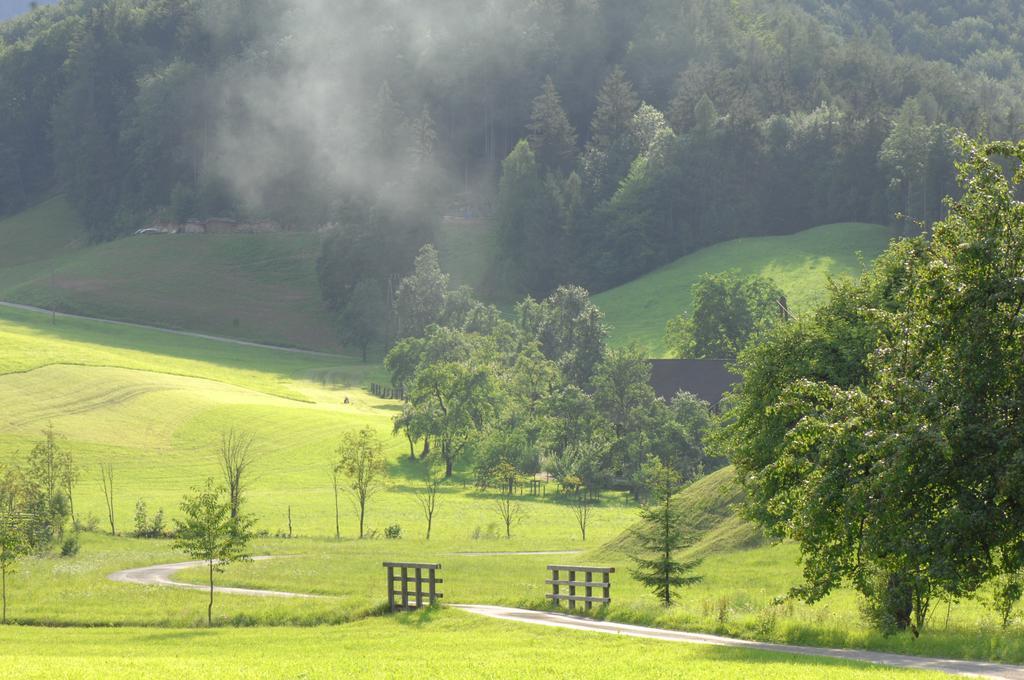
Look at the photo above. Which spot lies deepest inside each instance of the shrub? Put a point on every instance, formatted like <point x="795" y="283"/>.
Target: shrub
<point x="70" y="546"/>
<point x="90" y="523"/>
<point x="394" y="531"/>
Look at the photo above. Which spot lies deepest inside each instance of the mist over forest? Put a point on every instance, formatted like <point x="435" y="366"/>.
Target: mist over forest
<point x="606" y="138"/>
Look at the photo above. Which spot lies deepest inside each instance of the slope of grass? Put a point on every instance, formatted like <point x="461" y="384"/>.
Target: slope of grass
<point x="467" y="248"/>
<point x="800" y="264"/>
<point x="155" y="405"/>
<point x="433" y="644"/>
<point x="259" y="287"/>
<point x="45" y="231"/>
<point x="709" y="512"/>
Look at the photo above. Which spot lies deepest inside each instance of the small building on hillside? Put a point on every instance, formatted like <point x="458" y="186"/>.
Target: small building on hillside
<point x="709" y="379"/>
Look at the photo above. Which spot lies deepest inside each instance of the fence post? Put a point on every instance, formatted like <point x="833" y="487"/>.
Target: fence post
<point x="405" y="589"/>
<point x="572" y="590"/>
<point x="391" y="588"/>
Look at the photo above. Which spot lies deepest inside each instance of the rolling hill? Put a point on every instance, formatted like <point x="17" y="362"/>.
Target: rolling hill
<point x="258" y="287"/>
<point x="800" y="264"/>
<point x="263" y="287"/>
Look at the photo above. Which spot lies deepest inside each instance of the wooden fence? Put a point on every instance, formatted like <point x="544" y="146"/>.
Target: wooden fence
<point x="385" y="392"/>
<point x="402" y="599"/>
<point x="588" y="584"/>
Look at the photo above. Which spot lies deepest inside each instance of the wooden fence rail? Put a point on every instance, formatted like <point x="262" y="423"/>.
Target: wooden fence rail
<point x="385" y="392"/>
<point x="400" y="599"/>
<point x="587" y="583"/>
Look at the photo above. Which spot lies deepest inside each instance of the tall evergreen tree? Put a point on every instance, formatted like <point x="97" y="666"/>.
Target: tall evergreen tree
<point x="552" y="137"/>
<point x="616" y="103"/>
<point x="421" y="295"/>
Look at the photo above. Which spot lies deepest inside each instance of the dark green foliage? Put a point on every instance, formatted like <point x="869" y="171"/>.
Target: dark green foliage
<point x="883" y="433"/>
<point x="727" y="311"/>
<point x="530" y="223"/>
<point x="70" y="546"/>
<point x="364" y="320"/>
<point x="659" y="536"/>
<point x="570" y="330"/>
<point x="420" y="301"/>
<point x="785" y="115"/>
<point x="543" y="393"/>
<point x="376" y="243"/>
<point x="551" y="134"/>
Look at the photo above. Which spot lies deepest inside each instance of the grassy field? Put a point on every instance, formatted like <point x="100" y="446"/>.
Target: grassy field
<point x="259" y="287"/>
<point x="433" y="644"/>
<point x="154" y="405"/>
<point x="800" y="264"/>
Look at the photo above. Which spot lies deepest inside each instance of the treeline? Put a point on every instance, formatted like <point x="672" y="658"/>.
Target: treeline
<point x="776" y="122"/>
<point x="538" y="393"/>
<point x="665" y="125"/>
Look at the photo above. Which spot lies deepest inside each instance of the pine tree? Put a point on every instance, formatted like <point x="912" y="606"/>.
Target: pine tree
<point x="705" y="115"/>
<point x="616" y="104"/>
<point x="552" y="137"/>
<point x="660" y="534"/>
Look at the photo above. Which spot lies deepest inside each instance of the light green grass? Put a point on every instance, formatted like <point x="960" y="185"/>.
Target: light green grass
<point x="155" y="404"/>
<point x="800" y="264"/>
<point x="157" y="411"/>
<point x="425" y="645"/>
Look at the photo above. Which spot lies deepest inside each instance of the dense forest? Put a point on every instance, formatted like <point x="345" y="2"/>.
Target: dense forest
<point x="606" y="137"/>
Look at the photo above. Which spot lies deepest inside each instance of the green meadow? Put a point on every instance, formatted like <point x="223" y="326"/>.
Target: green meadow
<point x="432" y="644"/>
<point x="154" y="405"/>
<point x="801" y="264"/>
<point x="257" y="287"/>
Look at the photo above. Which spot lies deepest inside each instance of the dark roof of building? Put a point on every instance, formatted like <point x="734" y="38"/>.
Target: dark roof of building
<point x="709" y="379"/>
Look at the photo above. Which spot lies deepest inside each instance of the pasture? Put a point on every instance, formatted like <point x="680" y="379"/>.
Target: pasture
<point x="800" y="264"/>
<point x="154" y="406"/>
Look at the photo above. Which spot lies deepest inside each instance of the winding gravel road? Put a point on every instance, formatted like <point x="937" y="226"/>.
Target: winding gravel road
<point x="160" y="575"/>
<point x="978" y="669"/>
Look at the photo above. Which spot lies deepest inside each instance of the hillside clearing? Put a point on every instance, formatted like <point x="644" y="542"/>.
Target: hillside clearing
<point x="800" y="264"/>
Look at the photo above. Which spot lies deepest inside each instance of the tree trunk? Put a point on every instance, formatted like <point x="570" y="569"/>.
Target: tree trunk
<point x="362" y="514"/>
<point x="209" y="608"/>
<point x="3" y="619"/>
<point x="426" y="448"/>
<point x="412" y="448"/>
<point x="337" y="514"/>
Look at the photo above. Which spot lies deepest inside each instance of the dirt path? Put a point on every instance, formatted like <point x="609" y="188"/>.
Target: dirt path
<point x="525" y="552"/>
<point x="188" y="334"/>
<point x="160" y="575"/>
<point x="966" y="668"/>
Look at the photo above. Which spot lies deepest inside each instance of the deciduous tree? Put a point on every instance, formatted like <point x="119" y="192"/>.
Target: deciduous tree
<point x="213" y="532"/>
<point x="360" y="459"/>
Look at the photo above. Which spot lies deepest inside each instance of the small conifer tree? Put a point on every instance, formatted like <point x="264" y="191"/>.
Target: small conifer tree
<point x="660" y="536"/>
